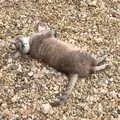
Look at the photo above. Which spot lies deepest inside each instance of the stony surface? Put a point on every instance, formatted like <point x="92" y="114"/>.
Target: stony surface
<point x="27" y="84"/>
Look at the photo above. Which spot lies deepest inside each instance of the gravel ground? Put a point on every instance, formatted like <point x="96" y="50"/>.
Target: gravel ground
<point x="27" y="85"/>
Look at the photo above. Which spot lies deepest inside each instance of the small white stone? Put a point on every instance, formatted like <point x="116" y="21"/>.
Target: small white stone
<point x="15" y="98"/>
<point x="106" y="82"/>
<point x="46" y="108"/>
<point x="19" y="68"/>
<point x="118" y="95"/>
<point x="64" y="117"/>
<point x="98" y="40"/>
<point x="0" y="75"/>
<point x="113" y="94"/>
<point x="100" y="107"/>
<point x="50" y="1"/>
<point x="9" y="60"/>
<point x="92" y="2"/>
<point x="30" y="74"/>
<point x="4" y="105"/>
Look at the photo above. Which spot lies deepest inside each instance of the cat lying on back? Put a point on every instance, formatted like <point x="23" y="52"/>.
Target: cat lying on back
<point x="74" y="63"/>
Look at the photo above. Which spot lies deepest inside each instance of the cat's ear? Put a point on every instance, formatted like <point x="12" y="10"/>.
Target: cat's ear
<point x="40" y="27"/>
<point x="43" y="28"/>
<point x="52" y="33"/>
<point x="17" y="38"/>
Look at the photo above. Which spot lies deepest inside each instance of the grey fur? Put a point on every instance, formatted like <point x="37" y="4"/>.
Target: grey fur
<point x="60" y="56"/>
<point x="63" y="58"/>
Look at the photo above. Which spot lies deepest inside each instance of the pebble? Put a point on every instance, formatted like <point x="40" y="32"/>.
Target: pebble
<point x="118" y="95"/>
<point x="77" y="30"/>
<point x="98" y="40"/>
<point x="15" y="98"/>
<point x="14" y="117"/>
<point x="46" y="108"/>
<point x="9" y="60"/>
<point x="64" y="117"/>
<point x="30" y="74"/>
<point x="92" y="2"/>
<point x="115" y="114"/>
<point x="4" y="105"/>
<point x="0" y="75"/>
<point x="19" y="68"/>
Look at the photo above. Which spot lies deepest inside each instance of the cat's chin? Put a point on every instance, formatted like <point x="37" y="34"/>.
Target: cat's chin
<point x="26" y="43"/>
